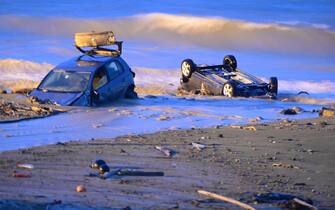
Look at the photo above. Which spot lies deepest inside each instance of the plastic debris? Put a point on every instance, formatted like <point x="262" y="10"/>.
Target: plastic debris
<point x="97" y="164"/>
<point x="25" y="165"/>
<point x="80" y="188"/>
<point x="198" y="146"/>
<point x="168" y="152"/>
<point x="20" y="175"/>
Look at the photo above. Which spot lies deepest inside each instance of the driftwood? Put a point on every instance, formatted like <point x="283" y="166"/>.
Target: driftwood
<point x="304" y="204"/>
<point x="226" y="199"/>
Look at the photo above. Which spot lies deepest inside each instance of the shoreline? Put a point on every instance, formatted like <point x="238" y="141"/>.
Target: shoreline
<point x="289" y="157"/>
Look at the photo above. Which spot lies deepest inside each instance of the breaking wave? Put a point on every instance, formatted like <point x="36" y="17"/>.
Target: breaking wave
<point x="211" y="32"/>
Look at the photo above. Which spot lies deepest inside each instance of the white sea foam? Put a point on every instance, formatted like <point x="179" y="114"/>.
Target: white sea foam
<point x="148" y="80"/>
<point x="13" y="69"/>
<point x="211" y="32"/>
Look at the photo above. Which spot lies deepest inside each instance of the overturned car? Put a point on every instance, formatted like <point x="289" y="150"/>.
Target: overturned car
<point x="224" y="79"/>
<point x="97" y="76"/>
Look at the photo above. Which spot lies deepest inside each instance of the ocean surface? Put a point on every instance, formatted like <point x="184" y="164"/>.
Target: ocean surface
<point x="291" y="39"/>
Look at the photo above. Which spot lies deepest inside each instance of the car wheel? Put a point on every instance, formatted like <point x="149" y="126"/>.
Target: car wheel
<point x="187" y="68"/>
<point x="228" y="90"/>
<point x="230" y="61"/>
<point x="131" y="92"/>
<point x="273" y="86"/>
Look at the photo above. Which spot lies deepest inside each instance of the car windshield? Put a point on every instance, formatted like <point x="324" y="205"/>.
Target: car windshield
<point x="65" y="81"/>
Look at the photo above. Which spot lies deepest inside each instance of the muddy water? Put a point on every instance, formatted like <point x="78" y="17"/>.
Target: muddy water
<point x="146" y="115"/>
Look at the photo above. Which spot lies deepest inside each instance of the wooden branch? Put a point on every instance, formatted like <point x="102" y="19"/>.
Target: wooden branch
<point x="305" y="204"/>
<point x="226" y="199"/>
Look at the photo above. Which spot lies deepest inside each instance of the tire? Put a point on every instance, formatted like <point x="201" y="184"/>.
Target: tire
<point x="273" y="86"/>
<point x="131" y="94"/>
<point x="229" y="90"/>
<point x="187" y="68"/>
<point x="230" y="62"/>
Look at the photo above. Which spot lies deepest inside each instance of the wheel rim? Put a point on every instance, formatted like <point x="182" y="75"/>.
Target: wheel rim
<point x="186" y="69"/>
<point x="228" y="90"/>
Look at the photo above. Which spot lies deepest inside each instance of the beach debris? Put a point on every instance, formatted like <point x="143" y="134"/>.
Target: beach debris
<point x="125" y="172"/>
<point x="283" y="165"/>
<point x="198" y="146"/>
<point x="288" y="112"/>
<point x="25" y="165"/>
<point x="166" y="151"/>
<point x="226" y="199"/>
<point x="132" y="172"/>
<point x="327" y="112"/>
<point x="163" y="118"/>
<point x="80" y="188"/>
<point x="256" y="119"/>
<point x="104" y="168"/>
<point x="299" y="204"/>
<point x="112" y="109"/>
<point x="292" y="111"/>
<point x="97" y="164"/>
<point x="323" y="123"/>
<point x="20" y="174"/>
<point x="248" y="128"/>
<point x="291" y="201"/>
<point x="97" y="125"/>
<point x="236" y="126"/>
<point x="303" y="92"/>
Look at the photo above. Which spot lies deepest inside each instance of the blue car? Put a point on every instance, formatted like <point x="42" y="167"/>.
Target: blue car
<point x="97" y="76"/>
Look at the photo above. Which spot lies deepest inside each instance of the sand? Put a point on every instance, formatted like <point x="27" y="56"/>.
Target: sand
<point x="288" y="157"/>
<point x="16" y="107"/>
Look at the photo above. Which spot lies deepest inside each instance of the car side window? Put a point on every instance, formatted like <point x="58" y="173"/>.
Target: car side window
<point x="114" y="69"/>
<point x="100" y="79"/>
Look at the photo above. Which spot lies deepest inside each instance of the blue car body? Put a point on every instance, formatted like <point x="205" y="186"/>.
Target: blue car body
<point x="60" y="86"/>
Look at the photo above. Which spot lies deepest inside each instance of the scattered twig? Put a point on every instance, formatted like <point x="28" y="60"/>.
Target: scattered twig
<point x="305" y="204"/>
<point x="226" y="199"/>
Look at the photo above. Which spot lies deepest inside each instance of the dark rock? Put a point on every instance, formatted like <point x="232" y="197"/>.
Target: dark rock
<point x="289" y="112"/>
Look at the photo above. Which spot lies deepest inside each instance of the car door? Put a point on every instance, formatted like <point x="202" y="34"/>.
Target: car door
<point x="101" y="86"/>
<point x="117" y="81"/>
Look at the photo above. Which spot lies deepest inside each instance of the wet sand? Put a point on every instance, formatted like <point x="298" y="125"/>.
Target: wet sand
<point x="16" y="107"/>
<point x="288" y="157"/>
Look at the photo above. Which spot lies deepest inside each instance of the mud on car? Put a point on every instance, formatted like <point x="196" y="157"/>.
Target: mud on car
<point x="224" y="79"/>
<point x="96" y="76"/>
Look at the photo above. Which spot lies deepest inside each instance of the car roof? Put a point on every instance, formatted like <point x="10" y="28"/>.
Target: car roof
<point x="85" y="63"/>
